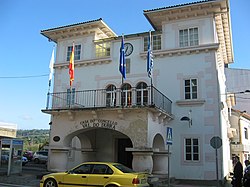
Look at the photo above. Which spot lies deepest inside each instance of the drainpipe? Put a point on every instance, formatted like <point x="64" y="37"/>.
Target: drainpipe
<point x="240" y="136"/>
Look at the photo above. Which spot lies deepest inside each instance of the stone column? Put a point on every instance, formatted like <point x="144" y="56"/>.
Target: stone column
<point x="160" y="160"/>
<point x="58" y="159"/>
<point x="142" y="161"/>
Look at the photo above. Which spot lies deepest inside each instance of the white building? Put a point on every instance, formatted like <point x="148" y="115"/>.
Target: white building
<point x="103" y="118"/>
<point x="238" y="90"/>
<point x="240" y="145"/>
<point x="7" y="130"/>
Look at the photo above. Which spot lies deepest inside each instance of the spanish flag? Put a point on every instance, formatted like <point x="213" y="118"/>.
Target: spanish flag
<point x="71" y="66"/>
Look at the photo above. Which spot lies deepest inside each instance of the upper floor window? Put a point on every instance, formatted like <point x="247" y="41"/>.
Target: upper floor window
<point x="192" y="149"/>
<point x="71" y="96"/>
<point x="128" y="65"/>
<point x="111" y="95"/>
<point x="77" y="52"/>
<point x="246" y="133"/>
<point x="188" y="37"/>
<point x="126" y="95"/>
<point x="191" y="88"/>
<point x="156" y="42"/>
<point x="102" y="49"/>
<point x="141" y="94"/>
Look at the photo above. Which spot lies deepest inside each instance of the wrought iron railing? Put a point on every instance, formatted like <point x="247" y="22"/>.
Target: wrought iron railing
<point x="102" y="98"/>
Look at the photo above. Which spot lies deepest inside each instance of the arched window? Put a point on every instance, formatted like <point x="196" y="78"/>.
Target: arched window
<point x="126" y="95"/>
<point x="111" y="95"/>
<point x="141" y="94"/>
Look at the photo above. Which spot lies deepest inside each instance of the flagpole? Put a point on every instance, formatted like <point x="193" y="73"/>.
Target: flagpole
<point x="150" y="64"/>
<point x="122" y="66"/>
<point x="71" y="71"/>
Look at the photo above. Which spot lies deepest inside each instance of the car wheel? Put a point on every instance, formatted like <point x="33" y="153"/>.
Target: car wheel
<point x="36" y="161"/>
<point x="50" y="183"/>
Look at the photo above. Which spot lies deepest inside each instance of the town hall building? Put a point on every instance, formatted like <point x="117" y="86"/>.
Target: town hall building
<point x="103" y="117"/>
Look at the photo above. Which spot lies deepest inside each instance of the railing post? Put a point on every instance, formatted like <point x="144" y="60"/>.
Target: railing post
<point x="95" y="99"/>
<point x="163" y="104"/>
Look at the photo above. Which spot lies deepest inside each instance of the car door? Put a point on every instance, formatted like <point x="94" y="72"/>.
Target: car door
<point x="44" y="156"/>
<point x="78" y="177"/>
<point x="101" y="174"/>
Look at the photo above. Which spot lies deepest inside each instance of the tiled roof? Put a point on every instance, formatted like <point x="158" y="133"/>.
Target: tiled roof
<point x="75" y="24"/>
<point x="180" y="5"/>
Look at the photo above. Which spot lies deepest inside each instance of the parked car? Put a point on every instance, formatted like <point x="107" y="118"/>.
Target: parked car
<point x="97" y="174"/>
<point x="5" y="160"/>
<point x="28" y="155"/>
<point x="24" y="160"/>
<point x="40" y="157"/>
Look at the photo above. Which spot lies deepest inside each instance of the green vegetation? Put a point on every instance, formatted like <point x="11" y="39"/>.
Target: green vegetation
<point x="35" y="139"/>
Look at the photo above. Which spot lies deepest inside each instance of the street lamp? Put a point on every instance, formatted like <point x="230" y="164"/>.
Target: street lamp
<point x="189" y="118"/>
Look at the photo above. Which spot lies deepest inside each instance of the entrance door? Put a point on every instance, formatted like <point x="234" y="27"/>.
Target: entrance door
<point x="124" y="157"/>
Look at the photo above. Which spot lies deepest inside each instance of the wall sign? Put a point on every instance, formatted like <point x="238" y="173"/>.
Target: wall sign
<point x="98" y="123"/>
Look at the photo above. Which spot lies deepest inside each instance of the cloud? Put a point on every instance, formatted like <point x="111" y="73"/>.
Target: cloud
<point x="26" y="117"/>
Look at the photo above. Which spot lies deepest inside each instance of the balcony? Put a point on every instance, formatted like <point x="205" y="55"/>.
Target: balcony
<point x="147" y="97"/>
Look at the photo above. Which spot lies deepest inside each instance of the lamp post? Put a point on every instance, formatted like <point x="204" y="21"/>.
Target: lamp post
<point x="189" y="118"/>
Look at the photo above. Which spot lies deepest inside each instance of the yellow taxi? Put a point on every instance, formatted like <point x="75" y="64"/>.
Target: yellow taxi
<point x="104" y="174"/>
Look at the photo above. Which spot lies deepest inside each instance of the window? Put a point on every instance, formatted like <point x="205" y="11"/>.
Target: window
<point x="71" y="96"/>
<point x="156" y="42"/>
<point x="141" y="94"/>
<point x="84" y="169"/>
<point x="111" y="95"/>
<point x="246" y="133"/>
<point x="102" y="49"/>
<point x="77" y="52"/>
<point x="126" y="95"/>
<point x="192" y="149"/>
<point x="191" y="89"/>
<point x="188" y="37"/>
<point x="100" y="169"/>
<point x="127" y="65"/>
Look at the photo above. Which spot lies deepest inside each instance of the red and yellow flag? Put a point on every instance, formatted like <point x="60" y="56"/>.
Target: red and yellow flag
<point x="71" y="66"/>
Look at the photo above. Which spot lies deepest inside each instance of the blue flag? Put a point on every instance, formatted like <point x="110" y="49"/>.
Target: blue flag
<point x="122" y="66"/>
<point x="150" y="63"/>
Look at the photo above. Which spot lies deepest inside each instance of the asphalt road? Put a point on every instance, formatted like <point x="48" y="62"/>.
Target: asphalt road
<point x="30" y="176"/>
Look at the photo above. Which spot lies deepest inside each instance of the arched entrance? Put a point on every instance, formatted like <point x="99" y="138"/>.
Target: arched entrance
<point x="98" y="144"/>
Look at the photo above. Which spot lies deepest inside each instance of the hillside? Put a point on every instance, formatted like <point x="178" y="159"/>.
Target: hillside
<point x="34" y="139"/>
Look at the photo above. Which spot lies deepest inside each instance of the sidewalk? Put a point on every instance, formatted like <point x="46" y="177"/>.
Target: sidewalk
<point x="28" y="178"/>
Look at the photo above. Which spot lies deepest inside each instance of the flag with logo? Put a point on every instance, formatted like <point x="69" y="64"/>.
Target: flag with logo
<point x="51" y="67"/>
<point x="122" y="64"/>
<point x="71" y="66"/>
<point x="149" y="57"/>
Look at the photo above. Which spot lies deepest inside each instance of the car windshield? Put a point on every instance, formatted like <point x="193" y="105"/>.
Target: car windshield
<point x="123" y="168"/>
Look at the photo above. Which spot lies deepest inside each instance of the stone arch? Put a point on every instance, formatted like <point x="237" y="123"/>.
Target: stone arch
<point x="160" y="155"/>
<point x="158" y="142"/>
<point x="92" y="146"/>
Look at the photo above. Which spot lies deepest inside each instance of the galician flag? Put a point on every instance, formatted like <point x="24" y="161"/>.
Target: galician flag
<point x="122" y="65"/>
<point x="150" y="62"/>
<point x="51" y="67"/>
<point x="71" y="66"/>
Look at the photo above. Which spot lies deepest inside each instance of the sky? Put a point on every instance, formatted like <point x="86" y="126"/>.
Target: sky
<point x="25" y="53"/>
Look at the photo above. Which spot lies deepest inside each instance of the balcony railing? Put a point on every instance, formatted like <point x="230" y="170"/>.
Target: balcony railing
<point x="102" y="98"/>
